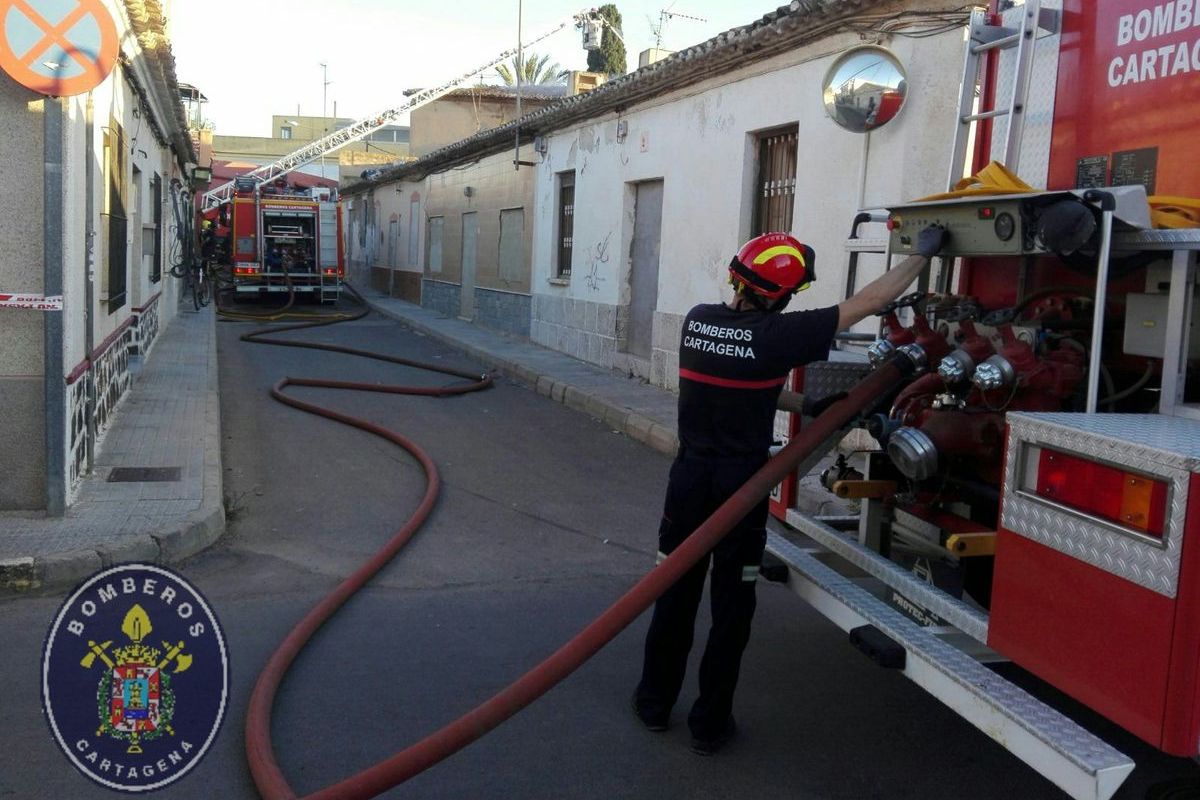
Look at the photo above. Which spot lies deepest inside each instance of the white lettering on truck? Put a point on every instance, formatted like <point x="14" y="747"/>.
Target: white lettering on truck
<point x="1156" y="63"/>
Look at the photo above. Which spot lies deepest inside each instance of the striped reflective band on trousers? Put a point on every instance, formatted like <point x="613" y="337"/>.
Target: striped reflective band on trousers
<point x="749" y="573"/>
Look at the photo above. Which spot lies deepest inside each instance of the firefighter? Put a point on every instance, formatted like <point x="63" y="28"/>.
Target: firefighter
<point x="734" y="358"/>
<point x="208" y="240"/>
<point x="274" y="259"/>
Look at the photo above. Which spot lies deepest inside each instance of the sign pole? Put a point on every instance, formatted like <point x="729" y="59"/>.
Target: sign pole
<point x="55" y="414"/>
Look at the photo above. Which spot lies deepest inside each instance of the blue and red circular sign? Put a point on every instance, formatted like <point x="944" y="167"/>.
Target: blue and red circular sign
<point x="57" y="47"/>
<point x="135" y="677"/>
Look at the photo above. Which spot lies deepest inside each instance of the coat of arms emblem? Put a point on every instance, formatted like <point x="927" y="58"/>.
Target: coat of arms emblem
<point x="134" y="699"/>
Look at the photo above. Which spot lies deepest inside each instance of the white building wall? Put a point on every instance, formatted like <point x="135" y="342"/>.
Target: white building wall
<point x="701" y="143"/>
<point x="101" y="360"/>
<point x="122" y="335"/>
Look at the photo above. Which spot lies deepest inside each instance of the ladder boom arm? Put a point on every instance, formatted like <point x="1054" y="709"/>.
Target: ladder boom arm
<point x="366" y="126"/>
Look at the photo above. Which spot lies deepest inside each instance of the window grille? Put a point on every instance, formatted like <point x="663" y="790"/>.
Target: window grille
<point x="776" y="185"/>
<point x="566" y="223"/>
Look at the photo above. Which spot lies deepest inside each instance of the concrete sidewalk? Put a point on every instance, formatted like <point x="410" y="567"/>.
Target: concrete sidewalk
<point x="170" y="417"/>
<point x="643" y="412"/>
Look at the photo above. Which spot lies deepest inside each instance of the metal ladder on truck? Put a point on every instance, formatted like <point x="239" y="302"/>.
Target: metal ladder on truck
<point x="948" y="657"/>
<point x="983" y="38"/>
<point x="327" y="252"/>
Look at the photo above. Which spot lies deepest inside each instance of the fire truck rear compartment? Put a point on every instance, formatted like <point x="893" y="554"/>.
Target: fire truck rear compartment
<point x="289" y="243"/>
<point x="293" y="241"/>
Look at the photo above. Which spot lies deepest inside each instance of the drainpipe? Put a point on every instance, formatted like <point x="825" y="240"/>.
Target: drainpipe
<point x="89" y="283"/>
<point x="520" y="77"/>
<point x="52" y="284"/>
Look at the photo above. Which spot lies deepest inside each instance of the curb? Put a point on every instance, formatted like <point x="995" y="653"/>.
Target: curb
<point x="64" y="570"/>
<point x="638" y="427"/>
<point x="170" y="544"/>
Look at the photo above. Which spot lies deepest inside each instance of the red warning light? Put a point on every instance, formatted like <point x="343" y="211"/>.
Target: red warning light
<point x="987" y="212"/>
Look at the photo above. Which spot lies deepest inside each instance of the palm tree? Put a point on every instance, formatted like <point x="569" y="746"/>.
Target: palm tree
<point x="535" y="70"/>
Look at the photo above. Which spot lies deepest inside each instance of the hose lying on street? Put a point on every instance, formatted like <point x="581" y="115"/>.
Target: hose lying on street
<point x="456" y="735"/>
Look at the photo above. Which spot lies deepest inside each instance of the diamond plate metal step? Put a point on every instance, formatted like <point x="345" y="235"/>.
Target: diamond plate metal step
<point x="1080" y="764"/>
<point x="966" y="618"/>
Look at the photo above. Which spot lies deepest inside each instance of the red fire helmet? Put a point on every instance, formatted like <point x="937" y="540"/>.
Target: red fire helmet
<point x="773" y="265"/>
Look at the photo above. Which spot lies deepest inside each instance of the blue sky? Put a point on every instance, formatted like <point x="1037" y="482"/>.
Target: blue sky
<point x="255" y="58"/>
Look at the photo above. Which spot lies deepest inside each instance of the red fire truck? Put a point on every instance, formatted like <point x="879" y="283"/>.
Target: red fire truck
<point x="280" y="239"/>
<point x="1035" y="493"/>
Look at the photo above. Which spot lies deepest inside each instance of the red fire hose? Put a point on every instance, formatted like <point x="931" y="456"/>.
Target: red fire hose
<point x="471" y="726"/>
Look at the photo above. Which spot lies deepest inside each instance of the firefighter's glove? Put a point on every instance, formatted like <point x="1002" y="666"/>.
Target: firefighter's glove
<point x="814" y="408"/>
<point x="931" y="240"/>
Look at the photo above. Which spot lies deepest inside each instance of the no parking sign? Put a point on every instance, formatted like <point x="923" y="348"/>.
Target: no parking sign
<point x="57" y="47"/>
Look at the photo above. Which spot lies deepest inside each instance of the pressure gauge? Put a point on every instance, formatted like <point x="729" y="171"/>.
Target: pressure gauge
<point x="1005" y="226"/>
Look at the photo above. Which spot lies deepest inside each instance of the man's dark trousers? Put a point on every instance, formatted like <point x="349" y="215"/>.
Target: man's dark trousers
<point x="697" y="486"/>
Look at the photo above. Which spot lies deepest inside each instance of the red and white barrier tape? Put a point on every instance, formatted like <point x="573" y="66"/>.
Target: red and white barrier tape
<point x="35" y="301"/>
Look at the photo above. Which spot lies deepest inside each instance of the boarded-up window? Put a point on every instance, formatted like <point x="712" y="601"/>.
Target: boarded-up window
<point x="414" y="234"/>
<point x="566" y="223"/>
<point x="512" y="245"/>
<point x="776" y="185"/>
<point x="156" y="197"/>
<point x="434" y="249"/>
<point x="114" y="218"/>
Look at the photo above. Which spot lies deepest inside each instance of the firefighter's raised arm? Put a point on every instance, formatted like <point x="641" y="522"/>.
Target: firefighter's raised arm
<point x="886" y="288"/>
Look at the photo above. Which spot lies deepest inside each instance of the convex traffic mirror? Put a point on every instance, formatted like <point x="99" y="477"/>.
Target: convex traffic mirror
<point x="865" y="89"/>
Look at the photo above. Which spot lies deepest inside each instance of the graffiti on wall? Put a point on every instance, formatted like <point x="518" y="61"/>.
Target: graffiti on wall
<point x="599" y="257"/>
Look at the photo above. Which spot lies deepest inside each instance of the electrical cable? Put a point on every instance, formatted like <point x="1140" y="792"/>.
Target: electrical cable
<point x="1136" y="387"/>
<point x="1109" y="385"/>
<point x="451" y="738"/>
<point x="912" y="24"/>
<point x="176" y="255"/>
<point x="137" y="112"/>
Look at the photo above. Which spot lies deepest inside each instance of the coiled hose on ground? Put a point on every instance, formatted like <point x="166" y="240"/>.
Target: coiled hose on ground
<point x="456" y="735"/>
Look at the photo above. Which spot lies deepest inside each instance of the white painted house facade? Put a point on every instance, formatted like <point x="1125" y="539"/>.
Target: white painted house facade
<point x="89" y="182"/>
<point x="644" y="188"/>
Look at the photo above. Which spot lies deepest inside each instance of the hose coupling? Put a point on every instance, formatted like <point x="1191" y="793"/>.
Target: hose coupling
<point x="956" y="367"/>
<point x="880" y="351"/>
<point x="995" y="373"/>
<point x="913" y="453"/>
<point x="915" y="354"/>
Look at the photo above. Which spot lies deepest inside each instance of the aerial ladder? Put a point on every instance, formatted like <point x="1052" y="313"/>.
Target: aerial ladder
<point x="589" y="21"/>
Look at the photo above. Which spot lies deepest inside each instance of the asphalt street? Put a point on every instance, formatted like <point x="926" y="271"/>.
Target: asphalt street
<point x="546" y="517"/>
